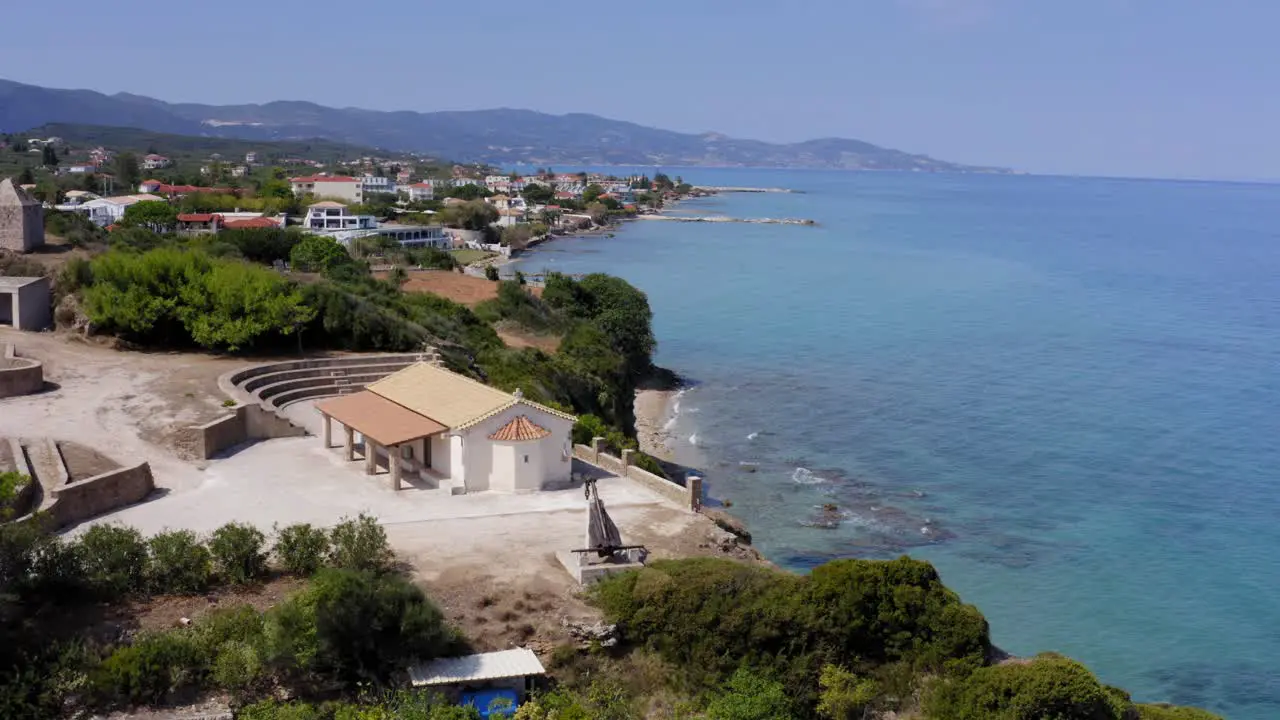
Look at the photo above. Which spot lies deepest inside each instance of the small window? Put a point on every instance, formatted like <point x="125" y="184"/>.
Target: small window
<point x="526" y="458"/>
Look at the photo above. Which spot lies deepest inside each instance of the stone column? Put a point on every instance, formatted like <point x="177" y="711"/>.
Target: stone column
<point x="597" y="447"/>
<point x="370" y="456"/>
<point x="351" y="443"/>
<point x="628" y="457"/>
<point x="693" y="484"/>
<point x="328" y="434"/>
<point x="394" y="465"/>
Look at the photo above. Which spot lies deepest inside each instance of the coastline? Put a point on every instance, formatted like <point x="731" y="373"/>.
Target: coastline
<point x="653" y="410"/>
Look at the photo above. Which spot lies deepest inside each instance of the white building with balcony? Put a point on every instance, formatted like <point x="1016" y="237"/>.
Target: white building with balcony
<point x="375" y="184"/>
<point x="338" y="187"/>
<point x="331" y="216"/>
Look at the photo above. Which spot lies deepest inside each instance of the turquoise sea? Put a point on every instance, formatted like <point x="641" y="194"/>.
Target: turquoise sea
<point x="1065" y="393"/>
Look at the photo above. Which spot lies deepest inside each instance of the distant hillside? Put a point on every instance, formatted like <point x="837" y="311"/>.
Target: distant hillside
<point x="120" y="139"/>
<point x="501" y="136"/>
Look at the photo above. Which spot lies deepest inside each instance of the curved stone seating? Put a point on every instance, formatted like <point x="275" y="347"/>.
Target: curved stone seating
<point x="19" y="376"/>
<point x="337" y="372"/>
<point x="267" y="393"/>
<point x="276" y="385"/>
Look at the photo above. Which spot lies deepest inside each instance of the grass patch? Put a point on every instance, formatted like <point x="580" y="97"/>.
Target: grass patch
<point x="467" y="256"/>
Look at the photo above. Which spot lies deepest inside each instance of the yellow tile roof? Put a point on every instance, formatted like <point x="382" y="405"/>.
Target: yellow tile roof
<point x="451" y="399"/>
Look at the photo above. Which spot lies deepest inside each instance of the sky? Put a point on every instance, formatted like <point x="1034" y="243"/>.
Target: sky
<point x="1140" y="88"/>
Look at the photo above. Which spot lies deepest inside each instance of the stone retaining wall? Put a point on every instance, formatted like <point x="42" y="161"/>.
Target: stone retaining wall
<point x="101" y="493"/>
<point x="245" y="423"/>
<point x="689" y="496"/>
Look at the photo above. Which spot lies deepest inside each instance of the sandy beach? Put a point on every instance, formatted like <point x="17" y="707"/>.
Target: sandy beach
<point x="653" y="410"/>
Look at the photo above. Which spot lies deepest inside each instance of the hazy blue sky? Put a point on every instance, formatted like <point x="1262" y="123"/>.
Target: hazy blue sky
<point x="1175" y="88"/>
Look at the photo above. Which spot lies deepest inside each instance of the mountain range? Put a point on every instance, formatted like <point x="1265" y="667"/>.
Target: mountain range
<point x="497" y="137"/>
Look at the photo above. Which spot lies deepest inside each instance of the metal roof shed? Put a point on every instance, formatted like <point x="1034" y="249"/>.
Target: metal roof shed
<point x="484" y="667"/>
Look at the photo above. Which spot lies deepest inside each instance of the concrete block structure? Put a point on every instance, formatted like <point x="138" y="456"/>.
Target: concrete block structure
<point x="25" y="302"/>
<point x="21" y="219"/>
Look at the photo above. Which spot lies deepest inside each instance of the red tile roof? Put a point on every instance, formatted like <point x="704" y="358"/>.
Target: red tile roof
<point x="258" y="222"/>
<point x="520" y="428"/>
<point x="198" y="217"/>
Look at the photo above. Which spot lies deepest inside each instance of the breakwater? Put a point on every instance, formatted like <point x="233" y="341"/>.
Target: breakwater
<point x="728" y="189"/>
<point x="726" y="219"/>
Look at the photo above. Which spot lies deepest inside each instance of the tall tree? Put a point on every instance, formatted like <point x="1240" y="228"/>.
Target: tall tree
<point x="127" y="172"/>
<point x="154" y="215"/>
<point x="48" y="157"/>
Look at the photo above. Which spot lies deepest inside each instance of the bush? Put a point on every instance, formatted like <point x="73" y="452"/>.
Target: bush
<point x="237" y="666"/>
<point x="57" y="567"/>
<point x="355" y="626"/>
<point x="149" y="670"/>
<point x="751" y="697"/>
<point x="713" y="616"/>
<point x="115" y="560"/>
<point x="491" y="272"/>
<point x="844" y="695"/>
<point x="360" y="544"/>
<point x="586" y="428"/>
<point x="1049" y="686"/>
<point x="237" y="552"/>
<point x="301" y="548"/>
<point x="179" y="563"/>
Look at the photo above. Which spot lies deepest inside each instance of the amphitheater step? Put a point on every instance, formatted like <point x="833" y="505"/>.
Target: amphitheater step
<point x="46" y="466"/>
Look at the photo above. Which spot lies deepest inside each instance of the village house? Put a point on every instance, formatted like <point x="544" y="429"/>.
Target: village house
<point x="199" y="223"/>
<point x="79" y="169"/>
<point x="420" y="191"/>
<point x="374" y="184"/>
<point x="403" y="177"/>
<point x="337" y="187"/>
<point x="155" y="162"/>
<point x="430" y="425"/>
<point x="110" y="210"/>
<point x="251" y="157"/>
<point x="332" y="215"/>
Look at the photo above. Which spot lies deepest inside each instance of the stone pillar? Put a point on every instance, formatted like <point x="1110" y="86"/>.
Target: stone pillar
<point x="370" y="456"/>
<point x="693" y="484"/>
<point x="351" y="443"/>
<point x="394" y="465"/>
<point x="328" y="434"/>
<point x="627" y="458"/>
<point x="597" y="447"/>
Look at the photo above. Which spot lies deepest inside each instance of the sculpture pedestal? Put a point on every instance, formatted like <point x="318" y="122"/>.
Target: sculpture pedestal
<point x="587" y="568"/>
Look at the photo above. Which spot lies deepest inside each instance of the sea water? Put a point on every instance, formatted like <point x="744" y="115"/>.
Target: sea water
<point x="1062" y="392"/>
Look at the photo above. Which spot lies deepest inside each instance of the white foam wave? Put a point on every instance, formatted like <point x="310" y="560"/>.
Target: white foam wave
<point x="805" y="476"/>
<point x="693" y="439"/>
<point x="754" y="435"/>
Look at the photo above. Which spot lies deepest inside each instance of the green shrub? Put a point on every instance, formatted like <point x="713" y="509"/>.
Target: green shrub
<point x="355" y="626"/>
<point x="491" y="272"/>
<point x="148" y="670"/>
<point x="57" y="569"/>
<point x="360" y="544"/>
<point x="586" y="428"/>
<point x="179" y="563"/>
<point x="301" y="548"/>
<point x="649" y="464"/>
<point x="10" y="485"/>
<point x="237" y="552"/>
<point x="713" y="616"/>
<point x="115" y="560"/>
<point x="844" y="695"/>
<point x="239" y="623"/>
<point x="237" y="667"/>
<point x="1050" y="686"/>
<point x="751" y="697"/>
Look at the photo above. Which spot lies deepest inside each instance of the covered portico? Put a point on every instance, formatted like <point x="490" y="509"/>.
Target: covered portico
<point x="403" y="436"/>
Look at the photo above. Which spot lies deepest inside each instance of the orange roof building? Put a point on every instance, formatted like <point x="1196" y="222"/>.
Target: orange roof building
<point x="435" y="428"/>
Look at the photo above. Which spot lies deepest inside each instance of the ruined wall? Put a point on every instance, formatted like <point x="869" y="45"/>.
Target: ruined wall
<point x="99" y="494"/>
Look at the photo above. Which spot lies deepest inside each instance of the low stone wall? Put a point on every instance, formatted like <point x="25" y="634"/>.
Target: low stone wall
<point x="245" y="423"/>
<point x="19" y="376"/>
<point x="101" y="493"/>
<point x="689" y="496"/>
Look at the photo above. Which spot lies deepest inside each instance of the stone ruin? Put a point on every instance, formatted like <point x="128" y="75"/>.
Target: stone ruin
<point x="21" y="219"/>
